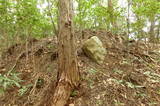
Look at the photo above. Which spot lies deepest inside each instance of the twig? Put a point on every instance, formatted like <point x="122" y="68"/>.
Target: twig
<point x="19" y="56"/>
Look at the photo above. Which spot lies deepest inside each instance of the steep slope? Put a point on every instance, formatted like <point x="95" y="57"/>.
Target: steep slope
<point x="130" y="74"/>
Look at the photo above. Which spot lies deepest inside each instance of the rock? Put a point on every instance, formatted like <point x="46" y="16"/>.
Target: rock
<point x="94" y="49"/>
<point x="71" y="104"/>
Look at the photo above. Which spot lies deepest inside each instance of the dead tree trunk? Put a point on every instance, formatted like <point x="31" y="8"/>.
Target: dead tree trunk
<point x="68" y="74"/>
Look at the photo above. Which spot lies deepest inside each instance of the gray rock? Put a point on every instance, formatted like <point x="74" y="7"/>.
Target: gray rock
<point x="94" y="49"/>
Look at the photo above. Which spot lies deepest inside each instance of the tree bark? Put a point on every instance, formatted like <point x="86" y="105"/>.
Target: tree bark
<point x="112" y="17"/>
<point x="151" y="32"/>
<point x="158" y="31"/>
<point x="128" y="20"/>
<point x="68" y="74"/>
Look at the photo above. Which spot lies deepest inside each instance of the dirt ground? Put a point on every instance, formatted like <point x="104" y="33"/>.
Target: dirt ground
<point x="129" y="76"/>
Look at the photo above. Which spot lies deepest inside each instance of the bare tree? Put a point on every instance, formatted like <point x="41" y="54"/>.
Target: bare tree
<point x="128" y="19"/>
<point x="51" y="17"/>
<point x="68" y="74"/>
<point x="151" y="32"/>
<point x="111" y="12"/>
<point x="158" y="31"/>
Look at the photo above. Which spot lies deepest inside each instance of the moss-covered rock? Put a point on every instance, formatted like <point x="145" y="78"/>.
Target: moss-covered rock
<point x="94" y="49"/>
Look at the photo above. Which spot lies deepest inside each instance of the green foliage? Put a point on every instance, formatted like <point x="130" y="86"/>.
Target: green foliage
<point x="146" y="7"/>
<point x="118" y="71"/>
<point x="145" y="11"/>
<point x="32" y="18"/>
<point x="153" y="77"/>
<point x="92" y="71"/>
<point x="118" y="103"/>
<point x="96" y="14"/>
<point x="74" y="93"/>
<point x="126" y="83"/>
<point x="22" y="19"/>
<point x="23" y="90"/>
<point x="9" y="81"/>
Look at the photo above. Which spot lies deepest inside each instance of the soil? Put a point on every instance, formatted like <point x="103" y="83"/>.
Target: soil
<point x="129" y="76"/>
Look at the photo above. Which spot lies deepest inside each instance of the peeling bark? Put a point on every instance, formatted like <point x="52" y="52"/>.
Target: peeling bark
<point x="68" y="74"/>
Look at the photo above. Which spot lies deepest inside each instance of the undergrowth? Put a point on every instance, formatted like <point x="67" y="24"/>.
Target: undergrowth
<point x="9" y="81"/>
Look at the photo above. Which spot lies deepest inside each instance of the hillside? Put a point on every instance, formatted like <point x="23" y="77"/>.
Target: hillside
<point x="129" y="76"/>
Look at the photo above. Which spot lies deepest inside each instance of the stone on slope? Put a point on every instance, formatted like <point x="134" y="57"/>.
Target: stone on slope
<point x="94" y="49"/>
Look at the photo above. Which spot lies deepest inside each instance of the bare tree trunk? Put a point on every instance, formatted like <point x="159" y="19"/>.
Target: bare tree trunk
<point x="151" y="32"/>
<point x="68" y="74"/>
<point x="140" y="30"/>
<point x="158" y="31"/>
<point x="128" y="20"/>
<point x="51" y="17"/>
<point x="112" y="17"/>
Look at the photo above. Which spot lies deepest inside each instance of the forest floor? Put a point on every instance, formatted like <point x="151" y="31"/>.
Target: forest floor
<point x="129" y="76"/>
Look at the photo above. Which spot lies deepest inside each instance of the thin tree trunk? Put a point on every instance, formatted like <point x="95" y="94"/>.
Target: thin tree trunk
<point x="151" y="32"/>
<point x="68" y="74"/>
<point x="158" y="31"/>
<point x="51" y="17"/>
<point x="140" y="30"/>
<point x="128" y="20"/>
<point x="112" y="17"/>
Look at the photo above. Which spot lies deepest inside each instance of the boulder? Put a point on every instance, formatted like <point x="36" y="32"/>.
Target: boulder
<point x="94" y="49"/>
